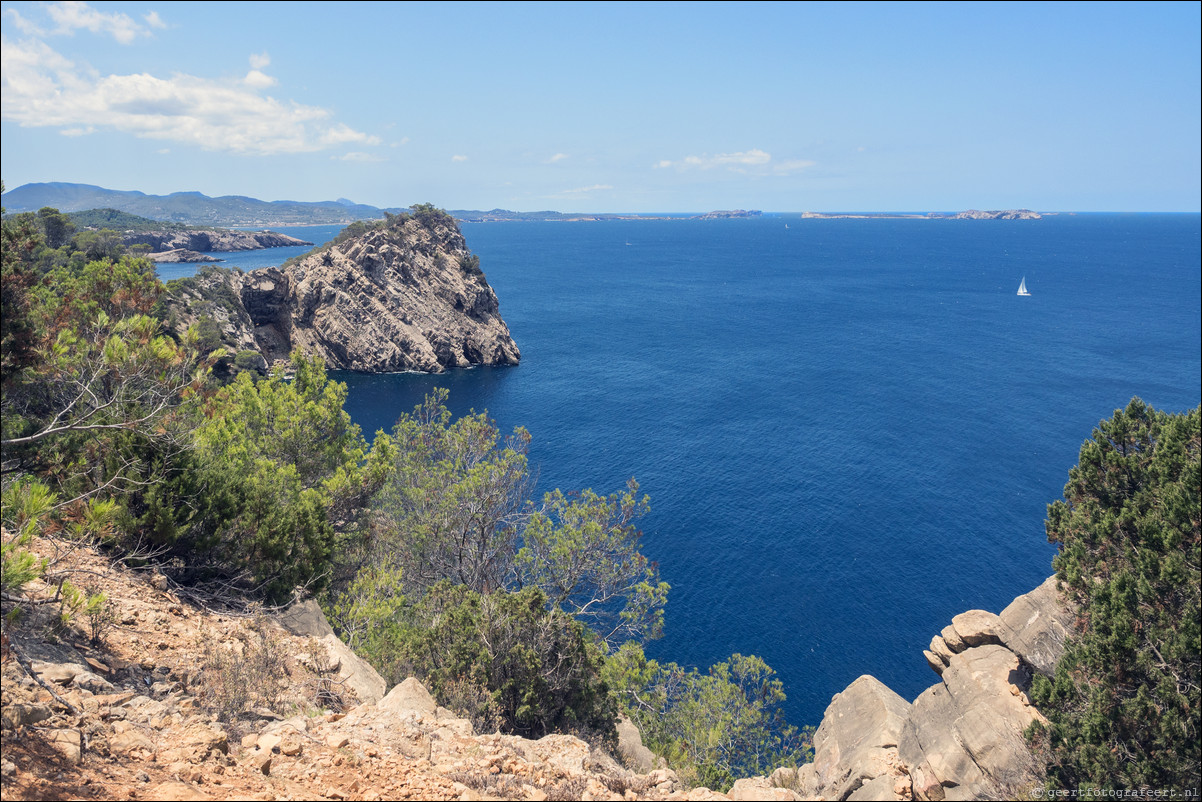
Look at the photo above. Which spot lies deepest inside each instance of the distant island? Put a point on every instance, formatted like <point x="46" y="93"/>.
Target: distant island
<point x="971" y="214"/>
<point x="196" y="209"/>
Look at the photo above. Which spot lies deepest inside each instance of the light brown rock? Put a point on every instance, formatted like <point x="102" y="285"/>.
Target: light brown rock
<point x="1035" y="626"/>
<point x="175" y="791"/>
<point x="635" y="756"/>
<point x="409" y="696"/>
<point x="131" y="740"/>
<point x="67" y="743"/>
<point x="758" y="788"/>
<point x="978" y="628"/>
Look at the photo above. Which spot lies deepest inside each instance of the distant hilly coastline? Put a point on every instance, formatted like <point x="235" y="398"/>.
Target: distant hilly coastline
<point x="197" y="209"/>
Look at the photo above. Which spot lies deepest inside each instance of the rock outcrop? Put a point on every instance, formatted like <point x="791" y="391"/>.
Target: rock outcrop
<point x="961" y="738"/>
<point x="405" y="295"/>
<point x="177" y="256"/>
<point x="216" y="239"/>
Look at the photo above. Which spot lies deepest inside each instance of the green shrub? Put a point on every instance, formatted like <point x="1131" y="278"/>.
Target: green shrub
<point x="715" y="727"/>
<point x="1124" y="704"/>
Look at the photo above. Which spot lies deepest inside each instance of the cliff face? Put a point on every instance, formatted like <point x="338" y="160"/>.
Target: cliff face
<point x="404" y="296"/>
<point x="962" y="738"/>
<point x="211" y="240"/>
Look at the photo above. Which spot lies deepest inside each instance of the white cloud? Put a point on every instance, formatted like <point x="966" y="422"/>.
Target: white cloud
<point x="558" y="157"/>
<point x="754" y="161"/>
<point x="41" y="88"/>
<point x="458" y="158"/>
<point x="259" y="60"/>
<point x="259" y="80"/>
<point x="22" y="24"/>
<point x="753" y="157"/>
<point x="791" y="166"/>
<point x="579" y="190"/>
<point x="78" y="131"/>
<point x="360" y="156"/>
<point x="71" y="16"/>
<point x="154" y="20"/>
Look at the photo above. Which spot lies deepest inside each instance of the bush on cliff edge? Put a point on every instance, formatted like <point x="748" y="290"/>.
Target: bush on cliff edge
<point x="1123" y="706"/>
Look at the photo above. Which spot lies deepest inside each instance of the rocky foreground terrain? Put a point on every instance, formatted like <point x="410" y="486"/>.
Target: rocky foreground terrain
<point x="405" y="296"/>
<point x="179" y="699"/>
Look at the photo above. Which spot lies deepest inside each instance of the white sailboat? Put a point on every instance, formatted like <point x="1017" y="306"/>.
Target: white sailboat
<point x="1022" y="287"/>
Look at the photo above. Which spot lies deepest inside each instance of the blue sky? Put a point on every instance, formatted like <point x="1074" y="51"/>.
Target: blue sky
<point x="614" y="107"/>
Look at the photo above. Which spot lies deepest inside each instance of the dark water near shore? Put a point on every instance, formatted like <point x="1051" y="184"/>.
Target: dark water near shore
<point x="849" y="429"/>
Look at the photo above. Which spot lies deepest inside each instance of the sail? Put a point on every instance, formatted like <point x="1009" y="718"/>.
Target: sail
<point x="1022" y="287"/>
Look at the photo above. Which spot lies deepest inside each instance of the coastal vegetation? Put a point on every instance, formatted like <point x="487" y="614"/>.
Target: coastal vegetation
<point x="1124" y="704"/>
<point x="424" y="546"/>
<point x="432" y="557"/>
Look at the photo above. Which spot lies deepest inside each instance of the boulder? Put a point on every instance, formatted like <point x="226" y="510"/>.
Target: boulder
<point x="409" y="697"/>
<point x="758" y="788"/>
<point x="569" y="754"/>
<point x="306" y="619"/>
<point x="1035" y="626"/>
<point x="62" y="673"/>
<point x="635" y="756"/>
<point x="354" y="672"/>
<point x="978" y="627"/>
<point x="67" y="743"/>
<point x="856" y="740"/>
<point x="952" y="639"/>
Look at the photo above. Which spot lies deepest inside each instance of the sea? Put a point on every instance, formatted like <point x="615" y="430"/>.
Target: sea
<point x="849" y="429"/>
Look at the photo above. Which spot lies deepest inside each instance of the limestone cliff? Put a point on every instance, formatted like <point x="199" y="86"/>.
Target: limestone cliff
<point x="217" y="239"/>
<point x="962" y="738"/>
<point x="404" y="295"/>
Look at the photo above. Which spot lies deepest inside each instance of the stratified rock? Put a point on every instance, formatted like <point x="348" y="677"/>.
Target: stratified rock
<point x="179" y="256"/>
<point x="404" y="296"/>
<point x="966" y="733"/>
<point x="216" y="239"/>
<point x="1036" y="625"/>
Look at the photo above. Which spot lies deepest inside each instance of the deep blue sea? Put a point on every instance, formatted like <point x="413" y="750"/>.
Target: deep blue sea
<point x="849" y="429"/>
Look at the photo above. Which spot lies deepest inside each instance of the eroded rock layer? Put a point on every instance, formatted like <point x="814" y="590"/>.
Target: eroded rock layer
<point x="407" y="295"/>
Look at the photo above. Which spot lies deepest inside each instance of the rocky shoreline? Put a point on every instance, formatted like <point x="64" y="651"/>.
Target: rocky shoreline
<point x="210" y="240"/>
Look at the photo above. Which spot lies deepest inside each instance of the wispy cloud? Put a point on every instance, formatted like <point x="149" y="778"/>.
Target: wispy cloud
<point x="42" y="88"/>
<point x="360" y="156"/>
<point x="754" y="161"/>
<point x="70" y="17"/>
<point x="558" y="157"/>
<point x="458" y="158"/>
<point x="154" y="20"/>
<point x="742" y="158"/>
<point x="580" y="190"/>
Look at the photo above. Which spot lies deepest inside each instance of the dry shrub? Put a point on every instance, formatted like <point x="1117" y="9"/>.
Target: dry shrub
<point x="234" y="678"/>
<point x="567" y="790"/>
<point x="472" y="701"/>
<point x="502" y="786"/>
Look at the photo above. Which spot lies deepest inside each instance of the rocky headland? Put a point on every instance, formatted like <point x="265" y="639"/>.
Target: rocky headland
<point x="180" y="256"/>
<point x="214" y="239"/>
<point x="406" y="294"/>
